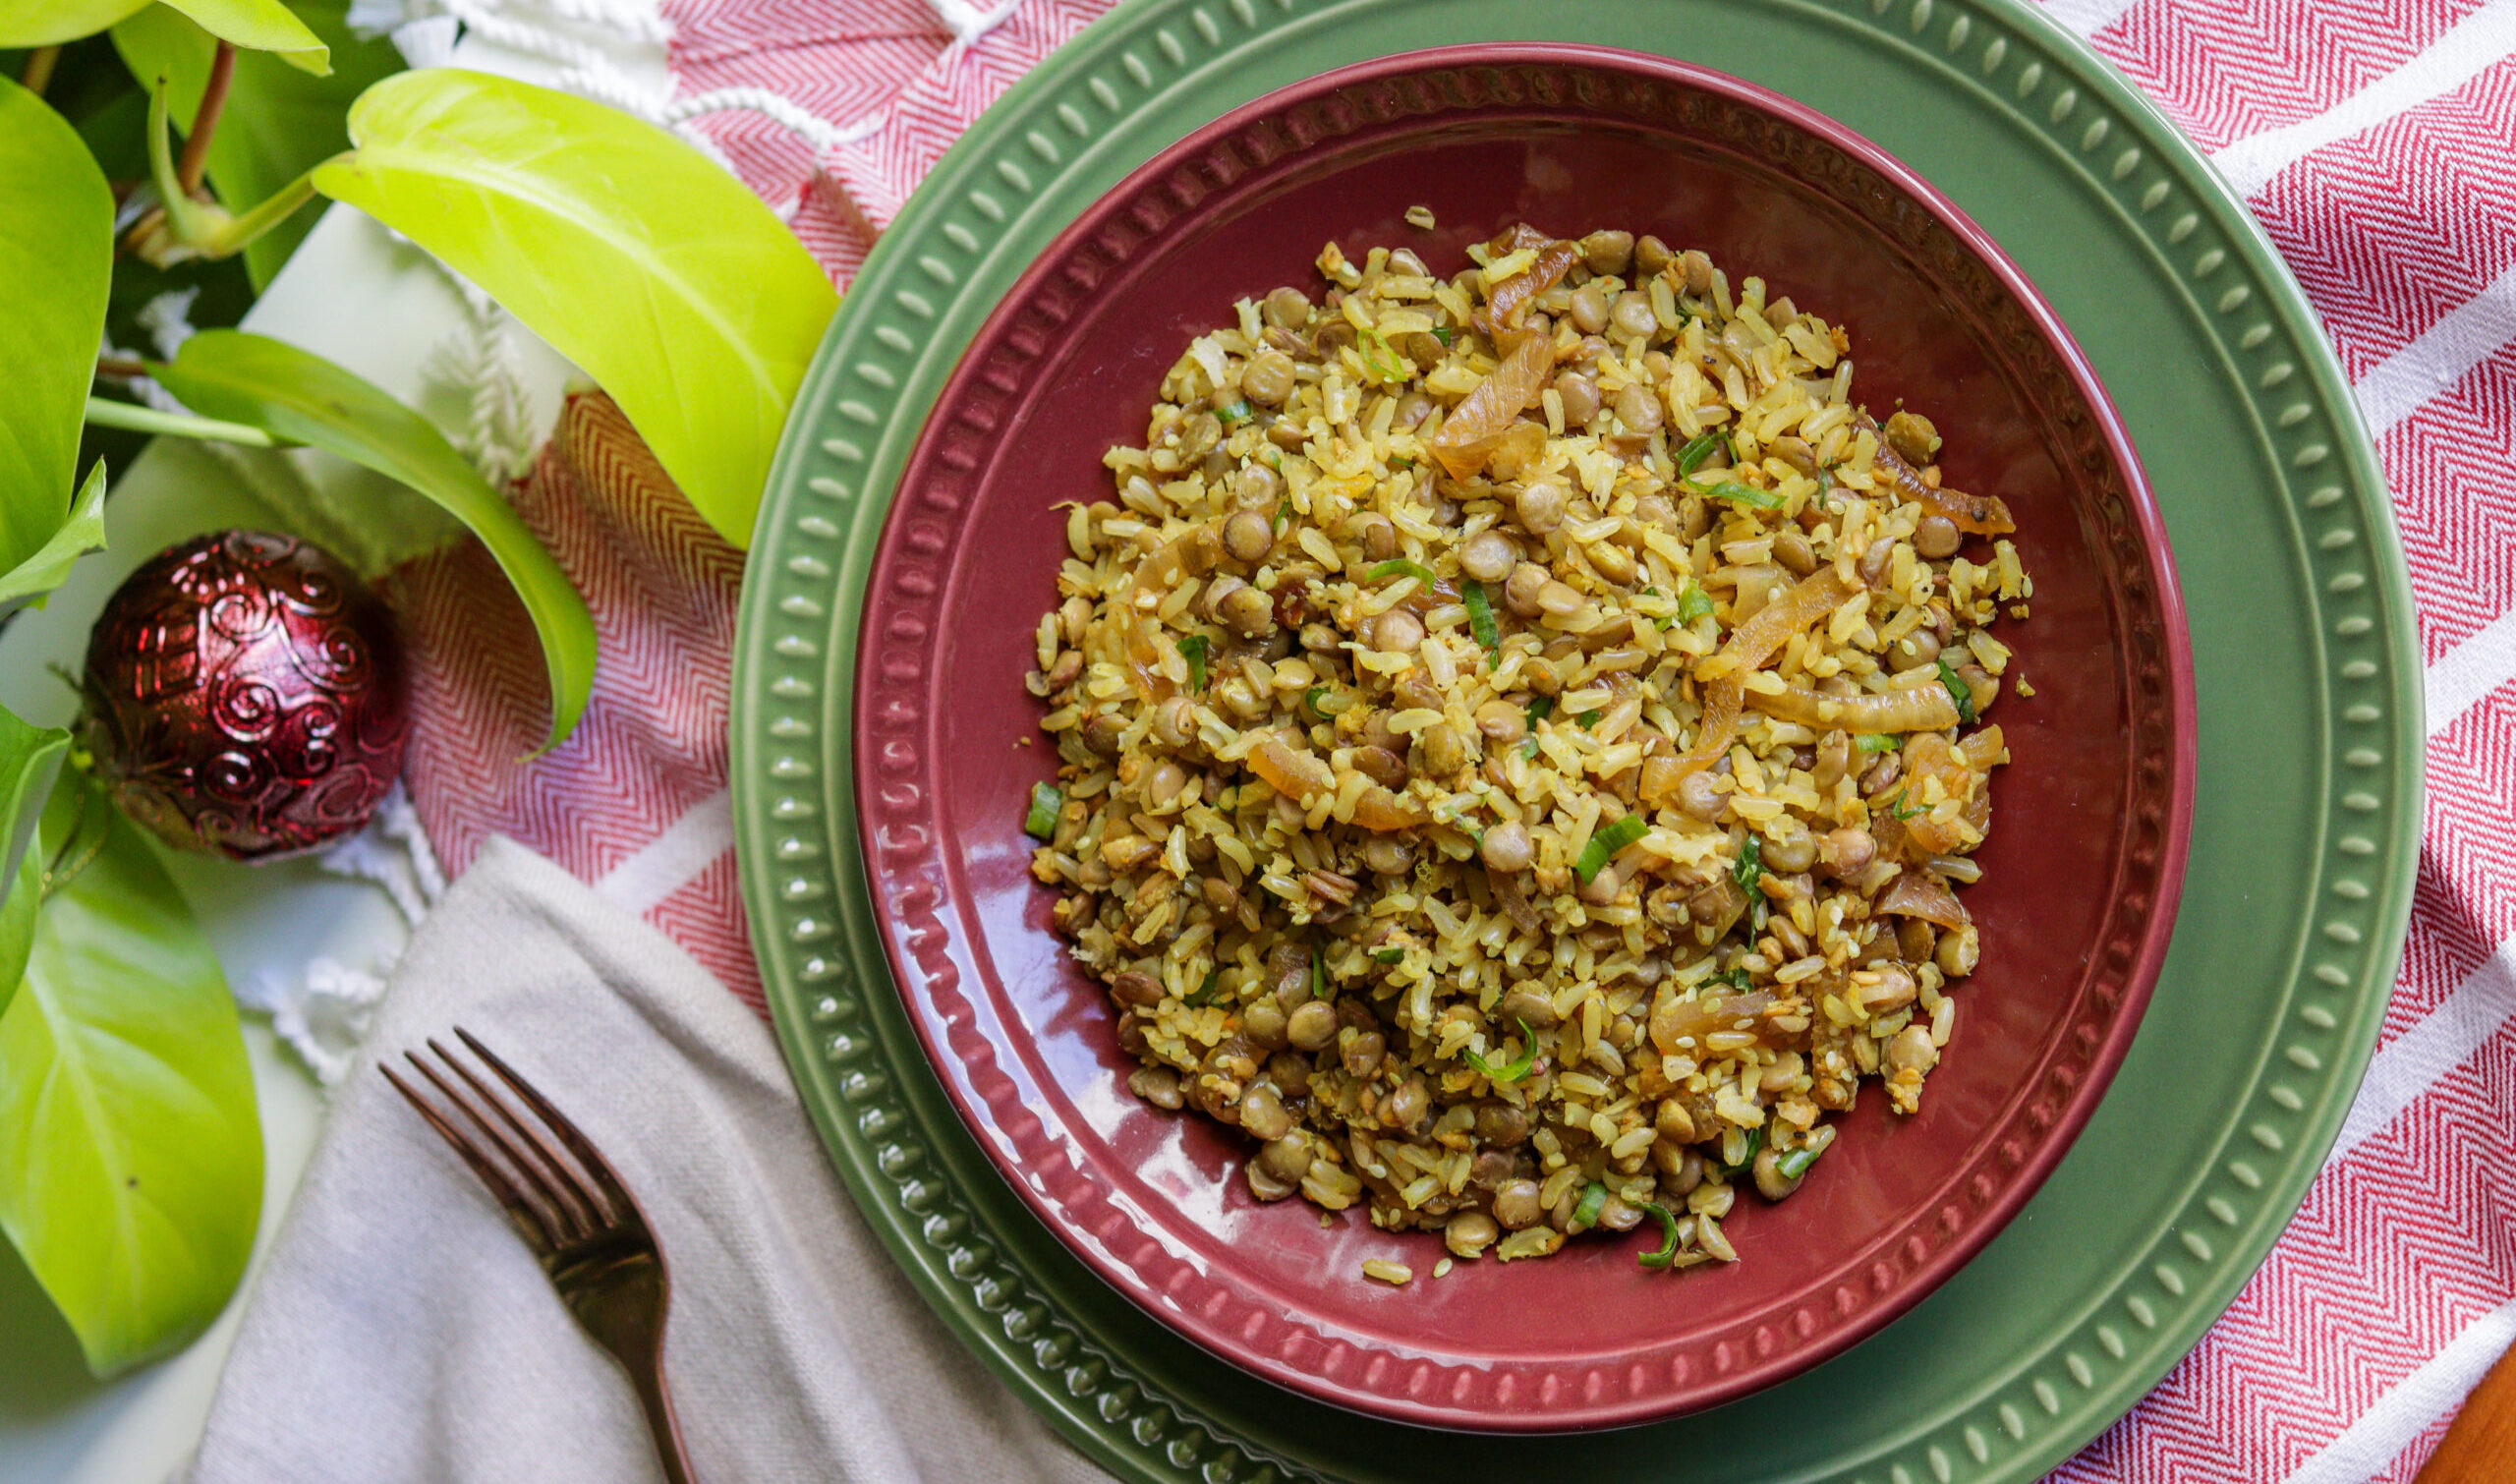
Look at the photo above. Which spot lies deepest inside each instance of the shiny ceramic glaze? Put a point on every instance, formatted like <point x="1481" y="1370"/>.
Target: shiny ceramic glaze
<point x="2089" y="829"/>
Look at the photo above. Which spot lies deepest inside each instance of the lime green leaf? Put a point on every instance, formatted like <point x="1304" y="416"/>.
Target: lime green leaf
<point x="17" y="924"/>
<point x="280" y="122"/>
<point x="300" y="396"/>
<point x="83" y="533"/>
<point x="131" y="1153"/>
<point x="56" y="256"/>
<point x="46" y="23"/>
<point x="656" y="271"/>
<point x="261" y="26"/>
<point x="29" y="758"/>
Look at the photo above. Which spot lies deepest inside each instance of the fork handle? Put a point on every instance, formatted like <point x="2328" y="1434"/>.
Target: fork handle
<point x="654" y="1398"/>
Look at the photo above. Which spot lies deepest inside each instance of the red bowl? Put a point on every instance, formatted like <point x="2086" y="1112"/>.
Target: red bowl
<point x="2080" y="875"/>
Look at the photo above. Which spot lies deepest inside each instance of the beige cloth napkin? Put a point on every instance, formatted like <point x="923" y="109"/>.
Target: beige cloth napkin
<point x="400" y="1331"/>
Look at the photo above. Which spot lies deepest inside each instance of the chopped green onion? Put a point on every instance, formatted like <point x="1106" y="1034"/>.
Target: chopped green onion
<point x="1745" y="494"/>
<point x="1311" y="698"/>
<point x="1662" y="622"/>
<point x="1379" y="359"/>
<point x="1958" y="691"/>
<point x="1444" y="333"/>
<point x="1895" y="806"/>
<point x="1283" y="512"/>
<point x="1587" y="718"/>
<point x="1232" y="412"/>
<point x="1594" y="1199"/>
<point x="1042" y="821"/>
<point x="1206" y="991"/>
<point x="1736" y="979"/>
<point x="1755" y="1141"/>
<point x="1401" y="567"/>
<point x="1193" y="650"/>
<point x="1517" y="1069"/>
<point x="1387" y="956"/>
<point x="1750" y="865"/>
<point x="1528" y="747"/>
<point x="1539" y="710"/>
<point x="1605" y="843"/>
<point x="1480" y="619"/>
<point x="1876" y="742"/>
<point x="1318" y="974"/>
<point x="1748" y="870"/>
<point x="1796" y="1163"/>
<point x="1668" y="1252"/>
<point x="1693" y="604"/>
<point x="1690" y="457"/>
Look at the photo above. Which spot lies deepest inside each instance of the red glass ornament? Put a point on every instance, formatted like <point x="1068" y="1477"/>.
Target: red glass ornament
<point x="245" y="696"/>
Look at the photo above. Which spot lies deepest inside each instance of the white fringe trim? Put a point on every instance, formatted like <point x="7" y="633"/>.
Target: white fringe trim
<point x="323" y="1011"/>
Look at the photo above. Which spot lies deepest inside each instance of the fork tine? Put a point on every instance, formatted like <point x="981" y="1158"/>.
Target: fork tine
<point x="556" y="1218"/>
<point x="532" y="1222"/>
<point x="591" y="1214"/>
<point x="608" y="1179"/>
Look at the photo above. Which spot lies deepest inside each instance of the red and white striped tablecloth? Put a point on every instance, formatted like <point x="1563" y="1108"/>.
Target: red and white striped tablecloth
<point x="2376" y="142"/>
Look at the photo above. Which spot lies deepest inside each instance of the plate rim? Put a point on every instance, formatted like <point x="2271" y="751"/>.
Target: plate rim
<point x="882" y="702"/>
<point x="1146" y="1431"/>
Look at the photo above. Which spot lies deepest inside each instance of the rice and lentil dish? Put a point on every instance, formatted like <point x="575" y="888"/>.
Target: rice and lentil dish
<point x="1517" y="734"/>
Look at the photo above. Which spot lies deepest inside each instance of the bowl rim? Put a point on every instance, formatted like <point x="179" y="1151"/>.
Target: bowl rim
<point x="2140" y="977"/>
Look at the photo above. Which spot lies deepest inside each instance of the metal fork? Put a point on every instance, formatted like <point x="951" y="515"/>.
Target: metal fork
<point x="575" y="1214"/>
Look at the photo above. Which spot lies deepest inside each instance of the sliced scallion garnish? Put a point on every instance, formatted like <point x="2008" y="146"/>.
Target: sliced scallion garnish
<point x="1517" y="1069"/>
<point x="1690" y="457"/>
<point x="1399" y="566"/>
<point x="1193" y="650"/>
<point x="1958" y="691"/>
<point x="1045" y="803"/>
<point x="1796" y="1163"/>
<point x="1480" y="619"/>
<point x="1745" y="494"/>
<point x="1668" y="1252"/>
<point x="1751" y="864"/>
<point x="1755" y="1141"/>
<point x="1875" y="741"/>
<point x="1693" y="604"/>
<point x="1233" y="412"/>
<point x="1605" y="842"/>
<point x="1594" y="1199"/>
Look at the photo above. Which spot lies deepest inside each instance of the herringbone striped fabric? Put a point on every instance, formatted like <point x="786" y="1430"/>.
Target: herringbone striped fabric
<point x="635" y="800"/>
<point x="2377" y="143"/>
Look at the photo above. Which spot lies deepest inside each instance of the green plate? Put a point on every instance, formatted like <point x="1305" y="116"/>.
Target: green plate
<point x="2304" y="835"/>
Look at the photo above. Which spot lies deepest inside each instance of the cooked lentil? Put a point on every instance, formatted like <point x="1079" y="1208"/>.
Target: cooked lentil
<point x="1320" y="810"/>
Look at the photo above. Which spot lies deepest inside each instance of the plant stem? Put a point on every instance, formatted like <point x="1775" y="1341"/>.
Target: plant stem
<point x="38" y="74"/>
<point x="120" y="366"/>
<point x="105" y="412"/>
<point x="146" y="222"/>
<point x="214" y="101"/>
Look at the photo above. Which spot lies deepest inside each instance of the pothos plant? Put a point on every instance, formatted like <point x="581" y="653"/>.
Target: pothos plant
<point x="131" y="1159"/>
